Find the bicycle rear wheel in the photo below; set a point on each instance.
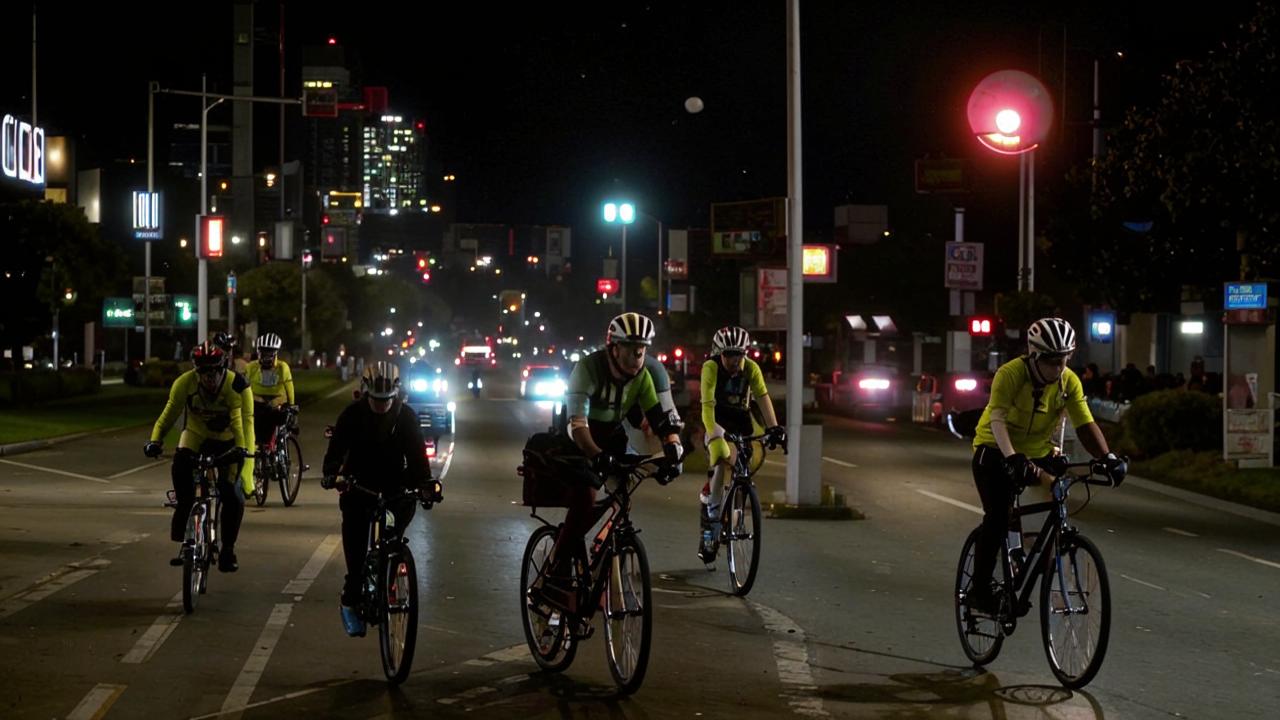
(291, 473)
(398, 633)
(742, 535)
(548, 633)
(628, 625)
(1075, 611)
(980, 635)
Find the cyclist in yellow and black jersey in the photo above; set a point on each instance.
(212, 427)
(240, 384)
(730, 381)
(1014, 439)
(272, 384)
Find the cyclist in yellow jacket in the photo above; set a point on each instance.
(1014, 439)
(272, 383)
(212, 427)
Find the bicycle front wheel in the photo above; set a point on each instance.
(980, 634)
(628, 613)
(742, 535)
(261, 481)
(547, 631)
(1075, 611)
(291, 473)
(192, 577)
(398, 633)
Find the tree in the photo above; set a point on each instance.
(274, 295)
(1189, 191)
(49, 248)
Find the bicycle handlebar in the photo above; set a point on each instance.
(204, 462)
(343, 483)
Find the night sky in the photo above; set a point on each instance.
(544, 111)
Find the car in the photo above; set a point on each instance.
(956, 392)
(426, 390)
(871, 390)
(543, 382)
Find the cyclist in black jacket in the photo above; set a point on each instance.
(376, 440)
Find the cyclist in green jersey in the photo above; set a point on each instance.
(602, 388)
(1014, 443)
(730, 380)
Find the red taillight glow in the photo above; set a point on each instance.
(873, 384)
(966, 384)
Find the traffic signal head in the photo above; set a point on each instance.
(981, 326)
(211, 236)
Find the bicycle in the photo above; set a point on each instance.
(613, 578)
(389, 593)
(200, 545)
(280, 459)
(1075, 594)
(740, 517)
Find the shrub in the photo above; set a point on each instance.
(1174, 420)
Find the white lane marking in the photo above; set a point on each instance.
(58, 580)
(1258, 560)
(1183, 533)
(444, 471)
(841, 463)
(289, 696)
(131, 471)
(55, 471)
(310, 571)
(507, 654)
(949, 501)
(791, 653)
(346, 388)
(242, 690)
(467, 695)
(119, 492)
(1142, 582)
(155, 635)
(96, 704)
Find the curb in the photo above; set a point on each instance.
(814, 512)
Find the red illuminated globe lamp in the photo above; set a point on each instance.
(1010, 112)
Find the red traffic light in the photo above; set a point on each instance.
(607, 286)
(678, 352)
(426, 277)
(211, 236)
(980, 326)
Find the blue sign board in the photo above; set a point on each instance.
(1246, 296)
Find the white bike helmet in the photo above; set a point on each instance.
(730, 338)
(630, 328)
(381, 380)
(1051, 336)
(270, 341)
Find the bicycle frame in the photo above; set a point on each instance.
(617, 506)
(1056, 526)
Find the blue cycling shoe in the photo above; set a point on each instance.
(352, 622)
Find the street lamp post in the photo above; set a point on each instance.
(624, 214)
(202, 281)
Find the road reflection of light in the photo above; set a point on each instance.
(551, 405)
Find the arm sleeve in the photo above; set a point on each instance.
(646, 398)
(577, 397)
(1003, 388)
(758, 386)
(286, 378)
(236, 408)
(177, 393)
(1077, 405)
(336, 454)
(417, 469)
(709, 395)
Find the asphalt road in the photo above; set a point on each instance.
(847, 619)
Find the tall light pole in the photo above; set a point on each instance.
(202, 282)
(152, 87)
(624, 214)
(1010, 112)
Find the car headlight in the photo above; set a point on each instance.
(873, 384)
(418, 385)
(451, 406)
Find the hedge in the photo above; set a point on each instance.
(25, 388)
(1165, 420)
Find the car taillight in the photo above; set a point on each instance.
(966, 384)
(873, 384)
(431, 449)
